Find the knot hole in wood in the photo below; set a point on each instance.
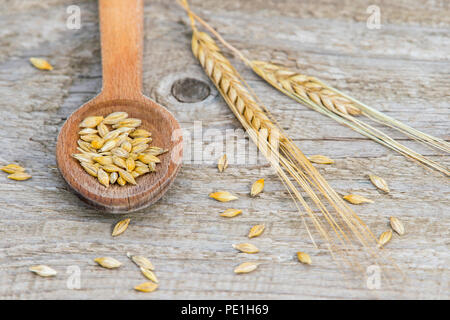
(189, 90)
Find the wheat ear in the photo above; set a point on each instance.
(342, 230)
(338, 106)
(320, 97)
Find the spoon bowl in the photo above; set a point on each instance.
(121, 34)
(151, 186)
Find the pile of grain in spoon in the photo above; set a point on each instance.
(115, 150)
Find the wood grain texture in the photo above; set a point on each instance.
(401, 69)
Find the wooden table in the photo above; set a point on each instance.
(401, 69)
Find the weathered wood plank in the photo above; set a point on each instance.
(401, 69)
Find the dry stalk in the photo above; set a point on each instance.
(335, 104)
(343, 231)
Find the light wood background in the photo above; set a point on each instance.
(401, 69)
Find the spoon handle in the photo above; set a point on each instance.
(121, 28)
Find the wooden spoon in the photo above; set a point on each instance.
(121, 27)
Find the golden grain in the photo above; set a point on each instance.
(147, 158)
(150, 275)
(222, 196)
(86, 131)
(379, 183)
(103, 177)
(303, 257)
(115, 117)
(397, 225)
(120, 227)
(130, 123)
(119, 152)
(108, 262)
(222, 164)
(385, 237)
(246, 267)
(131, 164)
(112, 135)
(230, 213)
(113, 177)
(137, 141)
(120, 162)
(12, 168)
(127, 176)
(109, 145)
(256, 231)
(140, 133)
(141, 261)
(320, 159)
(43, 271)
(156, 151)
(102, 130)
(257, 187)
(121, 181)
(152, 166)
(97, 143)
(41, 64)
(126, 145)
(246, 247)
(91, 122)
(146, 287)
(103, 160)
(110, 168)
(83, 157)
(141, 170)
(139, 148)
(356, 199)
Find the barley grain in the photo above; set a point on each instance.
(86, 131)
(97, 143)
(246, 247)
(140, 133)
(102, 130)
(103, 160)
(120, 227)
(139, 148)
(150, 275)
(108, 262)
(141, 261)
(127, 177)
(113, 177)
(121, 181)
(146, 287)
(223, 196)
(115, 117)
(379, 183)
(12, 168)
(41, 64)
(303, 257)
(103, 177)
(130, 123)
(91, 122)
(256, 231)
(397, 225)
(385, 237)
(320, 159)
(43, 271)
(222, 164)
(257, 187)
(110, 168)
(126, 145)
(89, 168)
(246, 267)
(230, 213)
(356, 199)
